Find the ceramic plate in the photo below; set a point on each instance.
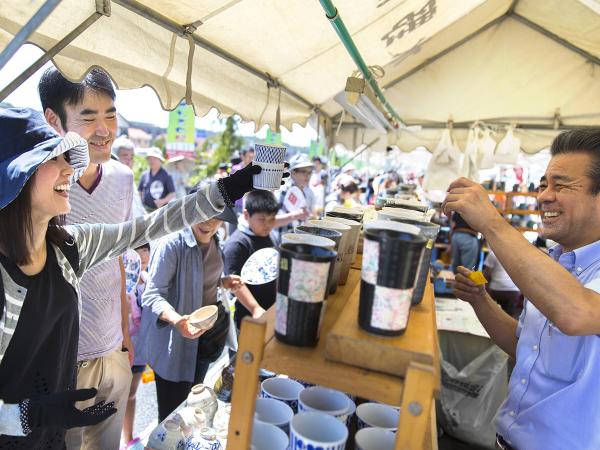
(261, 267)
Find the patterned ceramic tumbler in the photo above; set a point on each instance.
(389, 269)
(301, 292)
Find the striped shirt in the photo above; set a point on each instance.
(110, 201)
(97, 243)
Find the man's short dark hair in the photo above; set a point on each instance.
(56, 91)
(261, 202)
(581, 141)
(247, 150)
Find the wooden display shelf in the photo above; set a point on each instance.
(349, 344)
(414, 392)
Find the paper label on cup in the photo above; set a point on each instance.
(281, 306)
(390, 308)
(370, 262)
(430, 244)
(308, 281)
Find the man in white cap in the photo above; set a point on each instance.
(156, 186)
(296, 199)
(124, 149)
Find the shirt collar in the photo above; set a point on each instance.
(189, 238)
(581, 257)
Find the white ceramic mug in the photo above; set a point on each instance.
(268, 437)
(377, 415)
(318, 430)
(392, 225)
(325, 400)
(270, 158)
(283, 389)
(352, 244)
(275, 412)
(387, 213)
(374, 439)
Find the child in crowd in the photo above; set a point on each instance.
(135, 317)
(253, 233)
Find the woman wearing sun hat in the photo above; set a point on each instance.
(41, 263)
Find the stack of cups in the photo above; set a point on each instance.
(351, 244)
(388, 213)
(304, 271)
(336, 237)
(389, 269)
(271, 159)
(429, 231)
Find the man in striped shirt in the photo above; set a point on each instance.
(103, 194)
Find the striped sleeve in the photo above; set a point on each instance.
(99, 242)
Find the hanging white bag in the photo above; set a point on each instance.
(470, 167)
(508, 149)
(444, 166)
(487, 145)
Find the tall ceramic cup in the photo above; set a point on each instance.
(389, 269)
(345, 230)
(429, 231)
(336, 237)
(271, 159)
(301, 293)
(352, 244)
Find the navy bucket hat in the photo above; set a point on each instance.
(26, 141)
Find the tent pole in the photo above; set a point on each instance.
(332, 14)
(47, 56)
(368, 146)
(24, 33)
(168, 24)
(555, 38)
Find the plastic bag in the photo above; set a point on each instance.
(472, 395)
(508, 149)
(470, 167)
(444, 166)
(487, 145)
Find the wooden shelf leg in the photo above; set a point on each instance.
(415, 416)
(245, 384)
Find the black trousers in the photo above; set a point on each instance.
(170, 394)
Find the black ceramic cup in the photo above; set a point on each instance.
(429, 231)
(336, 237)
(389, 269)
(301, 292)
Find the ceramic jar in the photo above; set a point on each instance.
(204, 398)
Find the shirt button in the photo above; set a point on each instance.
(523, 381)
(535, 347)
(512, 414)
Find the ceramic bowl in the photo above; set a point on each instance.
(205, 317)
(167, 436)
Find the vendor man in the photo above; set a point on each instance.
(554, 392)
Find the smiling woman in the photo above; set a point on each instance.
(41, 266)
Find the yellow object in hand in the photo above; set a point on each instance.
(477, 278)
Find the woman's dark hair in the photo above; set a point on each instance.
(581, 141)
(143, 246)
(56, 91)
(261, 202)
(16, 227)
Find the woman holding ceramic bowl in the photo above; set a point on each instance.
(41, 264)
(184, 275)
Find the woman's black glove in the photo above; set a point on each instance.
(58, 410)
(234, 186)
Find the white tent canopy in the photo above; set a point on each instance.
(533, 63)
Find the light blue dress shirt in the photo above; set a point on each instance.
(553, 398)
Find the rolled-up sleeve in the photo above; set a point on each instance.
(162, 270)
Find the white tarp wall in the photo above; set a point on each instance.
(518, 69)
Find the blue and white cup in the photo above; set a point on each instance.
(283, 389)
(374, 439)
(268, 437)
(377, 415)
(351, 411)
(325, 400)
(317, 430)
(271, 159)
(275, 412)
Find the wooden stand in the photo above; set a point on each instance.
(414, 386)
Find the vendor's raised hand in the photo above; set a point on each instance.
(466, 289)
(471, 201)
(232, 282)
(186, 329)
